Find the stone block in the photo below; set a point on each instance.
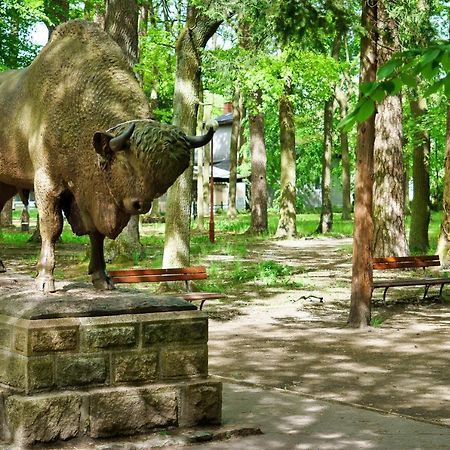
(200, 404)
(98, 338)
(135, 367)
(43, 418)
(40, 373)
(13, 370)
(130, 411)
(194, 331)
(181, 362)
(53, 340)
(5, 337)
(76, 370)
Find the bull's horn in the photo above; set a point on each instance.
(200, 141)
(118, 143)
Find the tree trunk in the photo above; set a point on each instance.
(341, 98)
(57, 12)
(259, 222)
(444, 238)
(287, 226)
(121, 23)
(200, 153)
(362, 276)
(420, 208)
(6, 214)
(326, 213)
(388, 197)
(234, 145)
(198, 30)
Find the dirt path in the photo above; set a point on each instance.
(284, 340)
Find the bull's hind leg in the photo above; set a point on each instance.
(6, 192)
(50, 225)
(97, 265)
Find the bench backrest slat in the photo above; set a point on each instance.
(158, 275)
(181, 270)
(405, 262)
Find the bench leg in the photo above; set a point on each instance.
(427, 286)
(201, 303)
(440, 290)
(384, 296)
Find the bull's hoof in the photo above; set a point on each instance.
(102, 282)
(46, 285)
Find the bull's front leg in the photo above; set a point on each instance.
(50, 225)
(97, 265)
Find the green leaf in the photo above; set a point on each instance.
(429, 56)
(367, 88)
(388, 68)
(435, 87)
(445, 61)
(408, 79)
(348, 121)
(447, 87)
(366, 109)
(378, 95)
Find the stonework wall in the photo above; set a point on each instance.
(103, 376)
(39, 355)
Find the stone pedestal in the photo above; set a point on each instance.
(80, 363)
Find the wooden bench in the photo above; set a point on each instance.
(408, 262)
(185, 274)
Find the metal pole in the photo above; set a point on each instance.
(211, 201)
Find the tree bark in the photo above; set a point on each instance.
(326, 213)
(198, 30)
(287, 226)
(234, 146)
(389, 197)
(341, 99)
(362, 276)
(57, 11)
(259, 221)
(420, 207)
(121, 23)
(6, 214)
(444, 238)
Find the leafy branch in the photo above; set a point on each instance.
(403, 69)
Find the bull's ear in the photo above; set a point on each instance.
(101, 143)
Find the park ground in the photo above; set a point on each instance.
(282, 328)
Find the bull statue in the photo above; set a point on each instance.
(74, 127)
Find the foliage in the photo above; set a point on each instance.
(404, 69)
(16, 20)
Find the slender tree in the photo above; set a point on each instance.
(121, 23)
(287, 226)
(259, 220)
(234, 146)
(362, 276)
(389, 197)
(420, 207)
(198, 29)
(326, 213)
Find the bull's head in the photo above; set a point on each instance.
(143, 160)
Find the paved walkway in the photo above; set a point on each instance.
(291, 421)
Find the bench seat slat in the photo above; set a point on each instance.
(142, 278)
(180, 270)
(410, 282)
(404, 265)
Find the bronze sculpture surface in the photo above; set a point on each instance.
(74, 127)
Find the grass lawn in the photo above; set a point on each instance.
(232, 260)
